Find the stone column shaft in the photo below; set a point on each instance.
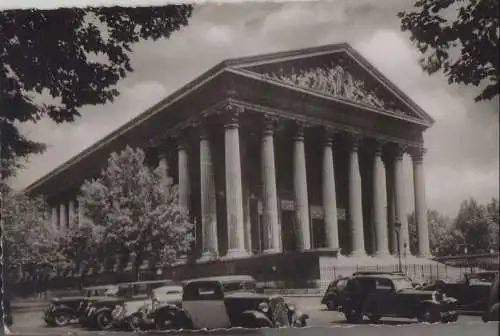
(355, 202)
(399, 200)
(210, 247)
(234, 189)
(71, 213)
(330, 196)
(270, 224)
(55, 217)
(163, 167)
(184, 179)
(380, 206)
(302, 231)
(80, 214)
(63, 219)
(421, 204)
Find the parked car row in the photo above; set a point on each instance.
(379, 294)
(215, 302)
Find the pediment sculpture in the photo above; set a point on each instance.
(334, 80)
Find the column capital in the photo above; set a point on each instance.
(417, 153)
(329, 134)
(355, 140)
(231, 115)
(299, 128)
(399, 150)
(203, 129)
(378, 146)
(269, 122)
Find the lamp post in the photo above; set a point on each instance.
(397, 225)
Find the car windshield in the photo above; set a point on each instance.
(400, 284)
(481, 278)
(239, 286)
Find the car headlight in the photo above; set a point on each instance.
(263, 307)
(117, 311)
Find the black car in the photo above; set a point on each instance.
(388, 295)
(492, 313)
(225, 302)
(99, 312)
(67, 310)
(471, 292)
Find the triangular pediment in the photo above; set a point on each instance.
(338, 72)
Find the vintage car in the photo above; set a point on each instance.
(98, 313)
(389, 295)
(471, 292)
(492, 312)
(137, 315)
(225, 302)
(67, 310)
(330, 298)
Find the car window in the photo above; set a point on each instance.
(400, 284)
(341, 284)
(174, 292)
(238, 286)
(383, 284)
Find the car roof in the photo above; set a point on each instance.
(98, 287)
(384, 276)
(222, 279)
(169, 287)
(123, 284)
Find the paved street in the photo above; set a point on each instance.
(30, 323)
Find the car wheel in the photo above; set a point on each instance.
(452, 318)
(61, 319)
(429, 314)
(493, 314)
(353, 316)
(134, 322)
(330, 305)
(103, 320)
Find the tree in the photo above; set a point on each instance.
(493, 217)
(471, 227)
(75, 56)
(139, 217)
(464, 47)
(30, 240)
(439, 232)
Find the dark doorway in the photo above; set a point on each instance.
(288, 230)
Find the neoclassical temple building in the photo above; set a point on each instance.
(283, 160)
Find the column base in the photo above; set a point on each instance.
(382, 254)
(271, 251)
(236, 253)
(208, 256)
(426, 255)
(358, 253)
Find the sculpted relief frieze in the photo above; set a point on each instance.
(335, 80)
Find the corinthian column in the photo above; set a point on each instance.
(420, 202)
(63, 219)
(400, 205)
(163, 168)
(55, 217)
(184, 180)
(210, 249)
(355, 200)
(302, 231)
(380, 203)
(329, 195)
(234, 189)
(270, 199)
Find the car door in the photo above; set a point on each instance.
(383, 297)
(204, 303)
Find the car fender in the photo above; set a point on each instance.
(62, 310)
(260, 317)
(182, 316)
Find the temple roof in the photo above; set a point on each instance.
(336, 72)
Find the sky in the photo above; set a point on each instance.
(463, 151)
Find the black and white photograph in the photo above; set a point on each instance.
(314, 167)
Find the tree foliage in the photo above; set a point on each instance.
(139, 218)
(30, 240)
(71, 56)
(458, 37)
(475, 226)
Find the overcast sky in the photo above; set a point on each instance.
(463, 153)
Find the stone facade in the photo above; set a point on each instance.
(283, 153)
